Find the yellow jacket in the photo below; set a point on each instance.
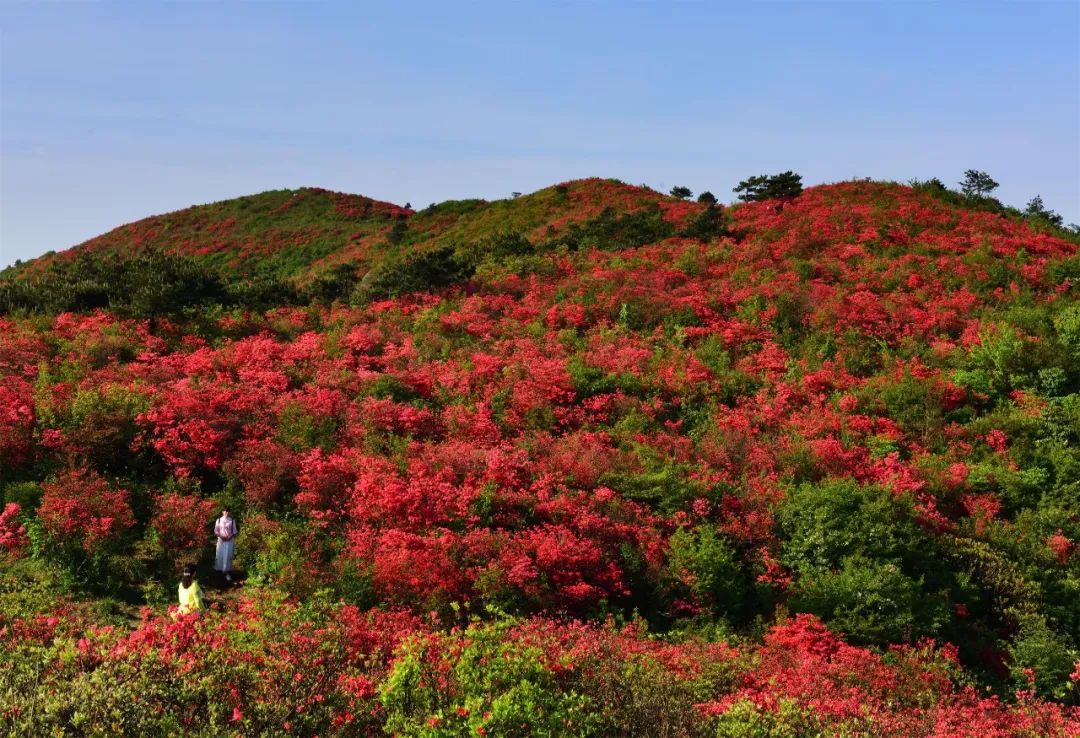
(191, 598)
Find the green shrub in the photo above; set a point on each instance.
(496, 684)
(1049, 656)
(714, 571)
(870, 602)
(417, 271)
(745, 720)
(610, 231)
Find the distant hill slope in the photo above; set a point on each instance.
(312, 245)
(299, 233)
(278, 232)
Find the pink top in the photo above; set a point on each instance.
(225, 528)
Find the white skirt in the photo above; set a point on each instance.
(223, 560)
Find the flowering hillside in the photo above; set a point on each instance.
(282, 230)
(590, 461)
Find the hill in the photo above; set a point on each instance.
(280, 232)
(291, 233)
(589, 461)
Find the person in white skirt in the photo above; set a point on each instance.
(225, 530)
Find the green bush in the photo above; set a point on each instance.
(610, 231)
(1048, 655)
(147, 285)
(870, 602)
(862, 562)
(714, 571)
(497, 684)
(418, 271)
(745, 720)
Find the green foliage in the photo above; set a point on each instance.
(999, 363)
(589, 381)
(643, 697)
(714, 571)
(1067, 325)
(1036, 210)
(502, 687)
(260, 292)
(783, 186)
(664, 484)
(301, 431)
(914, 405)
(745, 720)
(333, 285)
(869, 601)
(862, 562)
(504, 249)
(977, 183)
(387, 386)
(416, 271)
(1049, 656)
(825, 523)
(397, 232)
(683, 193)
(152, 284)
(711, 223)
(611, 231)
(280, 556)
(27, 495)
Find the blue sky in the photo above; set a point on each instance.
(113, 111)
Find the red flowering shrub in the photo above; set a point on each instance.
(182, 523)
(263, 469)
(16, 421)
(13, 538)
(80, 508)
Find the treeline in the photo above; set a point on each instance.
(152, 284)
(975, 194)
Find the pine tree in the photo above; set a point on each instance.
(783, 186)
(977, 183)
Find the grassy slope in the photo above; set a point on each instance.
(278, 232)
(301, 233)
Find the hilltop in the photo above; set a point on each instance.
(589, 461)
(293, 233)
(280, 231)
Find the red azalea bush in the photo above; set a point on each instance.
(182, 522)
(80, 508)
(13, 538)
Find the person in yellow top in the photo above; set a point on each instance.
(191, 595)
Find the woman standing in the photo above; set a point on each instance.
(225, 530)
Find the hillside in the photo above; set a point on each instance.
(280, 232)
(296, 233)
(588, 461)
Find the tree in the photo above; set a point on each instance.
(417, 271)
(707, 198)
(977, 184)
(1036, 209)
(397, 232)
(783, 186)
(683, 193)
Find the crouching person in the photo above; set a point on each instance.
(191, 595)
